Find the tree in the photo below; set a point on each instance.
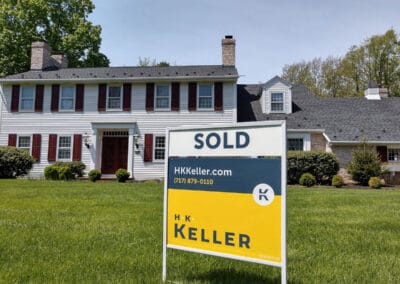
(377, 59)
(146, 61)
(63, 24)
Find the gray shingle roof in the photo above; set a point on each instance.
(343, 119)
(109, 73)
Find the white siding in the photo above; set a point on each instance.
(69, 123)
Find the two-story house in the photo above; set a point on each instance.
(335, 125)
(112, 117)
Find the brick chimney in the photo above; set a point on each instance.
(228, 51)
(41, 58)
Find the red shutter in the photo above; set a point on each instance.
(39, 98)
(127, 97)
(36, 144)
(77, 148)
(55, 97)
(382, 152)
(150, 96)
(12, 140)
(15, 98)
(148, 147)
(101, 106)
(79, 99)
(52, 151)
(175, 96)
(192, 96)
(218, 96)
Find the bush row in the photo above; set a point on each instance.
(64, 170)
(323, 166)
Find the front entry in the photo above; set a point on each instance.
(114, 154)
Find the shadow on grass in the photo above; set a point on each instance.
(232, 276)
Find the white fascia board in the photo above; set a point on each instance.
(306, 130)
(367, 142)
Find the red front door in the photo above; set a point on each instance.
(114, 154)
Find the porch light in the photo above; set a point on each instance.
(87, 140)
(136, 137)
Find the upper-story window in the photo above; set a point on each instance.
(67, 98)
(64, 148)
(276, 102)
(24, 142)
(114, 98)
(162, 97)
(205, 97)
(27, 100)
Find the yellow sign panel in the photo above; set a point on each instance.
(228, 223)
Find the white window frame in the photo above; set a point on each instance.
(59, 148)
(156, 96)
(158, 148)
(302, 135)
(212, 96)
(120, 98)
(397, 159)
(30, 143)
(283, 101)
(33, 99)
(73, 98)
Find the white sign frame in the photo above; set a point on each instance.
(239, 126)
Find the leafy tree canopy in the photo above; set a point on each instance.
(376, 59)
(63, 24)
(146, 61)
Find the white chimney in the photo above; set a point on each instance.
(372, 91)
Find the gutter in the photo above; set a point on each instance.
(367, 142)
(125, 79)
(306, 130)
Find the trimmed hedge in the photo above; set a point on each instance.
(337, 181)
(307, 180)
(323, 166)
(94, 175)
(14, 162)
(122, 175)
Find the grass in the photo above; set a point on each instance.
(112, 232)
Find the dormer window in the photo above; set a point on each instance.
(276, 102)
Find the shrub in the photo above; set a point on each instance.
(337, 181)
(94, 175)
(51, 172)
(323, 166)
(364, 165)
(76, 167)
(122, 175)
(307, 179)
(14, 162)
(374, 182)
(64, 170)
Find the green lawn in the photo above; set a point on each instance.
(110, 232)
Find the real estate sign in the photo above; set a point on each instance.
(225, 189)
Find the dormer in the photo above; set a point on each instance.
(276, 96)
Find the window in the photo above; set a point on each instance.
(159, 148)
(67, 98)
(394, 155)
(295, 144)
(64, 148)
(24, 142)
(277, 102)
(114, 98)
(205, 98)
(162, 97)
(27, 101)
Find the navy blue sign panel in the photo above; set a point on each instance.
(224, 174)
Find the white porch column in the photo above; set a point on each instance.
(130, 151)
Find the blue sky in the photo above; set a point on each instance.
(269, 34)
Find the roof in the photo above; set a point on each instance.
(133, 73)
(343, 119)
(275, 80)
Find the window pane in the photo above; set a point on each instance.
(205, 90)
(159, 148)
(394, 154)
(24, 141)
(295, 144)
(160, 142)
(162, 96)
(162, 91)
(67, 92)
(114, 97)
(64, 154)
(205, 102)
(27, 104)
(27, 98)
(27, 92)
(65, 141)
